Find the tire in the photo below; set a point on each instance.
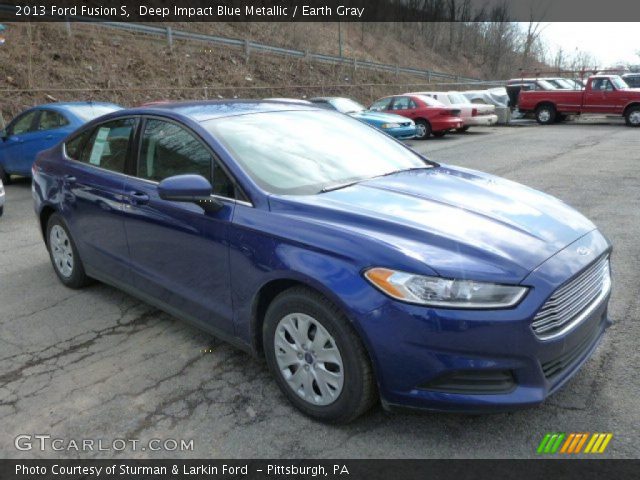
(462, 129)
(439, 134)
(632, 117)
(4, 176)
(546, 114)
(423, 129)
(351, 389)
(60, 245)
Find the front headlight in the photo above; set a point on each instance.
(390, 125)
(444, 292)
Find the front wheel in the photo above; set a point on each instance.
(423, 129)
(64, 254)
(545, 114)
(632, 117)
(316, 357)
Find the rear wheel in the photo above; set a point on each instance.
(423, 129)
(4, 176)
(64, 255)
(316, 357)
(545, 114)
(632, 117)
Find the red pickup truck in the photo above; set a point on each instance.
(603, 94)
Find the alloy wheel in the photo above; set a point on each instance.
(308, 359)
(61, 251)
(634, 118)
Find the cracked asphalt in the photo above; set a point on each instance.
(100, 364)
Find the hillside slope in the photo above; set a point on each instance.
(42, 62)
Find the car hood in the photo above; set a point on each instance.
(379, 117)
(507, 227)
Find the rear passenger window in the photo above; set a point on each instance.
(50, 120)
(74, 146)
(109, 144)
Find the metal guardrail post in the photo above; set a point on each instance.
(67, 26)
(170, 38)
(247, 49)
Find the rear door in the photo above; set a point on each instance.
(12, 149)
(180, 253)
(94, 197)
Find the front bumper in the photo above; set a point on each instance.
(420, 352)
(401, 133)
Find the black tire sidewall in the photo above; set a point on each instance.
(78, 277)
(351, 397)
(4, 176)
(628, 116)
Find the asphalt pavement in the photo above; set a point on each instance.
(98, 364)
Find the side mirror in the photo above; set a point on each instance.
(189, 188)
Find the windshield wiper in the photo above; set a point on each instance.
(338, 186)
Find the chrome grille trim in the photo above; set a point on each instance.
(570, 304)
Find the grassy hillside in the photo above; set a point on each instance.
(42, 62)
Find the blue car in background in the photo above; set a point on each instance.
(397, 126)
(40, 128)
(358, 268)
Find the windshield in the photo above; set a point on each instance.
(288, 152)
(457, 98)
(89, 111)
(346, 105)
(619, 83)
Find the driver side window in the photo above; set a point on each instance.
(23, 124)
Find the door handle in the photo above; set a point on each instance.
(48, 137)
(138, 198)
(69, 179)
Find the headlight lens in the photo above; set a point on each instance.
(444, 292)
(390, 125)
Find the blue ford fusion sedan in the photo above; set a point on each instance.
(359, 269)
(42, 127)
(395, 125)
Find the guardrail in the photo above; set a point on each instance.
(249, 46)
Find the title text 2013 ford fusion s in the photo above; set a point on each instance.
(361, 270)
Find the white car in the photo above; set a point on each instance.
(471, 114)
(1, 198)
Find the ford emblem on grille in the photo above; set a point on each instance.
(583, 251)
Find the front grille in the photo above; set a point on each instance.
(566, 306)
(558, 365)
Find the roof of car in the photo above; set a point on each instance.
(63, 105)
(204, 110)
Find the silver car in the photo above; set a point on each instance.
(1, 198)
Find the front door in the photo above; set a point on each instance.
(12, 149)
(179, 252)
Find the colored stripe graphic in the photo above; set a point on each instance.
(551, 442)
(573, 443)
